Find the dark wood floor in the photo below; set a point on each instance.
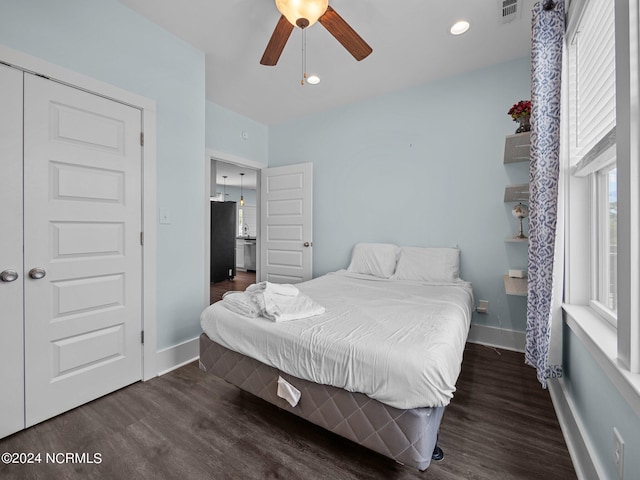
(190, 425)
(241, 281)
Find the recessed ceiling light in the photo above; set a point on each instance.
(313, 79)
(459, 28)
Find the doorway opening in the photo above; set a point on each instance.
(234, 184)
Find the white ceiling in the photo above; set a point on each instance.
(249, 180)
(410, 40)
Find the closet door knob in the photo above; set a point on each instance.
(9, 276)
(37, 273)
(306, 244)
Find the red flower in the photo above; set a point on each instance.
(520, 109)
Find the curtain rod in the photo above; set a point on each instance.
(549, 5)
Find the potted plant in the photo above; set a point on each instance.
(521, 113)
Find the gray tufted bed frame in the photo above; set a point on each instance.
(407, 436)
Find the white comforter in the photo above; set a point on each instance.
(398, 342)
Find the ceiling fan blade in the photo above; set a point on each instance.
(346, 35)
(277, 42)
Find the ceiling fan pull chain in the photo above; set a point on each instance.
(304, 56)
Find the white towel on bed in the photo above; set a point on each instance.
(269, 287)
(243, 304)
(276, 307)
(282, 308)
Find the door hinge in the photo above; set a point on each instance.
(142, 139)
(142, 336)
(141, 238)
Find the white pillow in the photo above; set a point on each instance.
(428, 264)
(378, 259)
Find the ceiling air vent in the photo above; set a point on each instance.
(509, 10)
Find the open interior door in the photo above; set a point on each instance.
(286, 223)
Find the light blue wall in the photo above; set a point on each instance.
(422, 166)
(107, 41)
(224, 134)
(600, 408)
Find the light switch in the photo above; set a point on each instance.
(165, 216)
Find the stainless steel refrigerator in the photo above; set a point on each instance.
(223, 241)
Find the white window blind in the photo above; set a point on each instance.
(592, 82)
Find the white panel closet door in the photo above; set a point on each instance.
(11, 340)
(286, 223)
(82, 201)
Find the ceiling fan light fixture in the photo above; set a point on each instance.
(459, 28)
(311, 10)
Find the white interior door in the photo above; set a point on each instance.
(286, 223)
(11, 339)
(82, 223)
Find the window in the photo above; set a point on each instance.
(605, 244)
(592, 141)
(602, 162)
(241, 222)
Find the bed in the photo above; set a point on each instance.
(377, 364)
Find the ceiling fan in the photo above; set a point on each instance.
(303, 14)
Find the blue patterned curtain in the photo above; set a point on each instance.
(546, 68)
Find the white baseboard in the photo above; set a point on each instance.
(580, 448)
(177, 355)
(497, 337)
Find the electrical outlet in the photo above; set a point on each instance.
(483, 306)
(618, 453)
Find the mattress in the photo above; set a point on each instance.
(398, 342)
(406, 436)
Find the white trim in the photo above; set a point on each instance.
(578, 239)
(627, 16)
(32, 64)
(593, 211)
(603, 311)
(599, 339)
(634, 132)
(207, 229)
(235, 159)
(149, 252)
(37, 65)
(600, 156)
(581, 450)
(176, 356)
(497, 337)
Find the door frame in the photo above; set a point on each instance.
(147, 106)
(211, 155)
